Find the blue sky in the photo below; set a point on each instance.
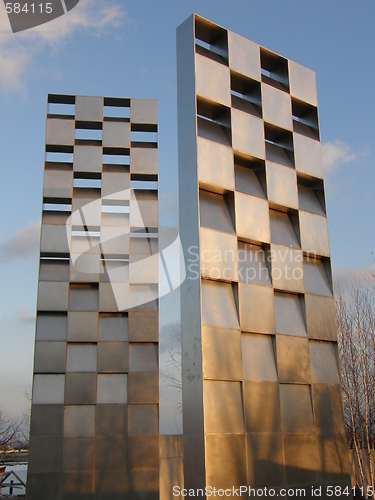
(127, 49)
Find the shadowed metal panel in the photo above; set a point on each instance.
(256, 308)
(332, 449)
(107, 299)
(328, 412)
(214, 212)
(281, 185)
(89, 109)
(82, 326)
(314, 233)
(221, 354)
(45, 455)
(302, 83)
(252, 264)
(265, 459)
(48, 389)
(143, 388)
(111, 420)
(143, 268)
(248, 134)
(113, 483)
(324, 367)
(320, 317)
(116, 135)
(60, 132)
(212, 80)
(252, 218)
(57, 184)
(54, 239)
(296, 410)
(287, 270)
(243, 56)
(143, 452)
(51, 327)
(53, 296)
(143, 357)
(143, 326)
(79, 421)
(218, 306)
(113, 327)
(69, 481)
(144, 161)
(78, 454)
(142, 420)
(113, 182)
(225, 460)
(112, 357)
(112, 389)
(80, 388)
(218, 255)
(215, 164)
(83, 298)
(316, 279)
(309, 201)
(289, 314)
(262, 406)
(146, 215)
(81, 358)
(110, 453)
(308, 156)
(143, 483)
(87, 159)
(248, 182)
(223, 407)
(144, 111)
(114, 240)
(282, 230)
(85, 268)
(293, 361)
(47, 420)
(301, 459)
(277, 107)
(49, 357)
(258, 358)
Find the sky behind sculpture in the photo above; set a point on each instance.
(128, 48)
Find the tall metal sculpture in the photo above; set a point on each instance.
(94, 420)
(261, 390)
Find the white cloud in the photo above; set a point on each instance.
(17, 51)
(98, 17)
(343, 276)
(337, 153)
(25, 316)
(13, 64)
(23, 244)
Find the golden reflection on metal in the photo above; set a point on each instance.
(258, 331)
